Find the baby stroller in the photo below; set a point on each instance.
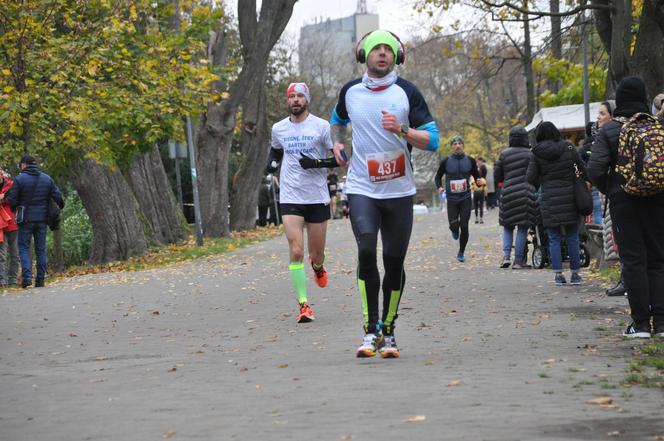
(540, 255)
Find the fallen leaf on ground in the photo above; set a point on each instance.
(345, 437)
(601, 401)
(614, 433)
(167, 435)
(454, 383)
(415, 419)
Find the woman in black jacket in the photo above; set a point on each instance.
(517, 199)
(552, 169)
(638, 222)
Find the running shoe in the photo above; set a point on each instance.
(635, 330)
(306, 314)
(560, 279)
(659, 331)
(389, 349)
(320, 276)
(371, 343)
(455, 235)
(481, 220)
(460, 258)
(506, 262)
(575, 279)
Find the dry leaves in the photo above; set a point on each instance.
(167, 435)
(415, 419)
(454, 383)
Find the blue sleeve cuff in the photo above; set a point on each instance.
(337, 120)
(434, 140)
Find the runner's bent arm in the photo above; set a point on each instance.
(339, 133)
(439, 175)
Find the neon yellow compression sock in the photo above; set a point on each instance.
(299, 279)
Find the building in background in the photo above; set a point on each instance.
(326, 58)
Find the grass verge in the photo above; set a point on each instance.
(647, 369)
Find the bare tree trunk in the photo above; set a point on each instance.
(485, 129)
(253, 141)
(213, 143)
(615, 30)
(556, 41)
(57, 263)
(258, 37)
(528, 67)
(648, 58)
(117, 231)
(148, 180)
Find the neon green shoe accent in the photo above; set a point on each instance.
(299, 279)
(392, 310)
(363, 295)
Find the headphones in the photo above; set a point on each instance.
(361, 56)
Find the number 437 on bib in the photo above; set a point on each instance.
(384, 167)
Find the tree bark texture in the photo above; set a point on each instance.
(556, 41)
(258, 36)
(647, 60)
(253, 144)
(57, 262)
(117, 231)
(528, 67)
(148, 180)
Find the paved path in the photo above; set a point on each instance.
(209, 350)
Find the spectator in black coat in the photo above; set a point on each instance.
(517, 200)
(551, 168)
(33, 190)
(638, 222)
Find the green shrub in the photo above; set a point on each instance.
(76, 232)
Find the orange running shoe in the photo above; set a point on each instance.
(306, 314)
(320, 276)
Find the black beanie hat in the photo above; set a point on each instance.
(518, 137)
(631, 90)
(546, 130)
(28, 160)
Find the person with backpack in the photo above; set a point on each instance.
(637, 205)
(30, 197)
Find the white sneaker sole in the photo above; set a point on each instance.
(637, 335)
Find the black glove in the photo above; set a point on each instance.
(307, 162)
(271, 167)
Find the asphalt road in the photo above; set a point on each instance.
(209, 350)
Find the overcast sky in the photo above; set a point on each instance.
(395, 15)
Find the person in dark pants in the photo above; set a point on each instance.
(480, 191)
(457, 168)
(33, 190)
(264, 199)
(551, 168)
(518, 206)
(638, 222)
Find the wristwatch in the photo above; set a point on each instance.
(404, 129)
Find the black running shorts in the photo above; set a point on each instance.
(312, 213)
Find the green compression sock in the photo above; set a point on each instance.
(299, 279)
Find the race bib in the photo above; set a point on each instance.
(386, 166)
(458, 185)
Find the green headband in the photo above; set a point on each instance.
(456, 138)
(380, 37)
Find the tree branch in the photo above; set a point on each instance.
(539, 14)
